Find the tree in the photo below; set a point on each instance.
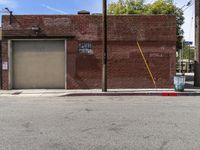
(168, 8)
(186, 52)
(158, 7)
(117, 8)
(126, 7)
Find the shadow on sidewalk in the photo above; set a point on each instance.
(190, 81)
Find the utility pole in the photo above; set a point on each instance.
(197, 45)
(189, 67)
(182, 56)
(104, 54)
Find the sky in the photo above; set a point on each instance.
(94, 6)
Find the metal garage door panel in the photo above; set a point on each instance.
(38, 64)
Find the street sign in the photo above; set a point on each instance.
(188, 42)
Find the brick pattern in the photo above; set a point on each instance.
(126, 69)
(89, 27)
(4, 55)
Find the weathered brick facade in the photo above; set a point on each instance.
(126, 68)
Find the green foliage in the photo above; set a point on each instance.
(158, 7)
(161, 7)
(186, 53)
(117, 8)
(127, 7)
(135, 7)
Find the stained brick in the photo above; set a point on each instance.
(126, 68)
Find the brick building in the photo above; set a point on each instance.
(65, 51)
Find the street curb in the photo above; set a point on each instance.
(135, 94)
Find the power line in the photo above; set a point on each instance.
(191, 24)
(188, 5)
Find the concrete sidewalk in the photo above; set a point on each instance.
(98, 92)
(190, 90)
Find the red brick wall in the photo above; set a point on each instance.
(126, 68)
(4, 55)
(89, 27)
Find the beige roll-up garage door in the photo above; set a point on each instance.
(38, 64)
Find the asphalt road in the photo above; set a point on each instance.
(100, 123)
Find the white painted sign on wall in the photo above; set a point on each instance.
(5, 66)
